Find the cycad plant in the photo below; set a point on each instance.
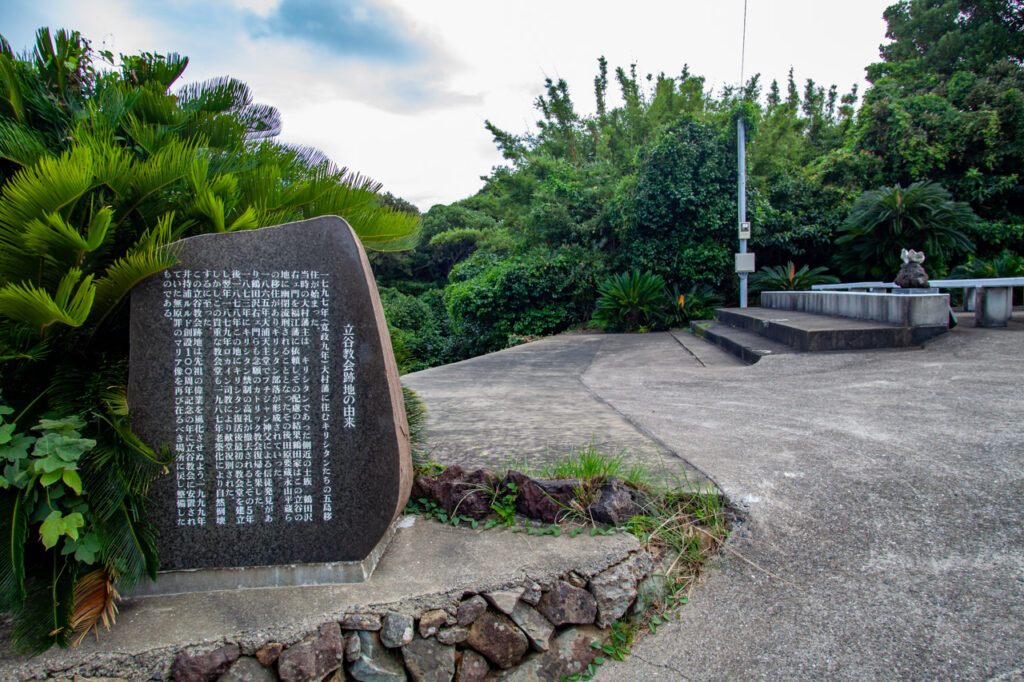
(101, 171)
(630, 301)
(882, 222)
(1005, 264)
(788, 278)
(696, 303)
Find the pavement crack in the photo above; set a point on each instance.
(664, 666)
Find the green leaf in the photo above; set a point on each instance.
(68, 449)
(6, 431)
(15, 476)
(87, 548)
(52, 529)
(48, 464)
(73, 481)
(69, 425)
(51, 477)
(18, 448)
(72, 522)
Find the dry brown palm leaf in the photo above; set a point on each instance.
(95, 601)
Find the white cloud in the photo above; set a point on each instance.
(416, 123)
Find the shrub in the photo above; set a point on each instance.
(419, 328)
(538, 293)
(631, 301)
(788, 278)
(697, 303)
(1006, 264)
(882, 222)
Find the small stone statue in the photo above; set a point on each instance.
(912, 275)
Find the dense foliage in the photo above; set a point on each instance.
(649, 183)
(100, 170)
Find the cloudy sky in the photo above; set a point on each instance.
(399, 89)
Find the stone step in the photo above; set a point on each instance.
(811, 332)
(748, 346)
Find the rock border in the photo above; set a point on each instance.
(528, 630)
(469, 494)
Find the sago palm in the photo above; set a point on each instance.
(882, 222)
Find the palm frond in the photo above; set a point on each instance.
(48, 186)
(168, 165)
(20, 349)
(211, 207)
(149, 256)
(246, 220)
(261, 121)
(35, 307)
(52, 235)
(20, 144)
(215, 96)
(109, 107)
(50, 594)
(218, 130)
(95, 601)
(150, 137)
(386, 229)
(10, 88)
(156, 107)
(137, 463)
(154, 69)
(112, 163)
(13, 534)
(127, 545)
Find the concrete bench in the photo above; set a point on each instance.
(990, 298)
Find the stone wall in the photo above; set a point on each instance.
(526, 631)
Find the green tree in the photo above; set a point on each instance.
(884, 221)
(947, 102)
(679, 217)
(490, 300)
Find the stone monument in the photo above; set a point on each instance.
(263, 360)
(912, 274)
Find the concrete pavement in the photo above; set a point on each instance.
(882, 491)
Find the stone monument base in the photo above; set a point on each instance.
(285, 575)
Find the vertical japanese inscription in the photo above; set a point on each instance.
(252, 389)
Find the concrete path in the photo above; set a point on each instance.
(883, 492)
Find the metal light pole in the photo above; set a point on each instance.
(744, 260)
(741, 135)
